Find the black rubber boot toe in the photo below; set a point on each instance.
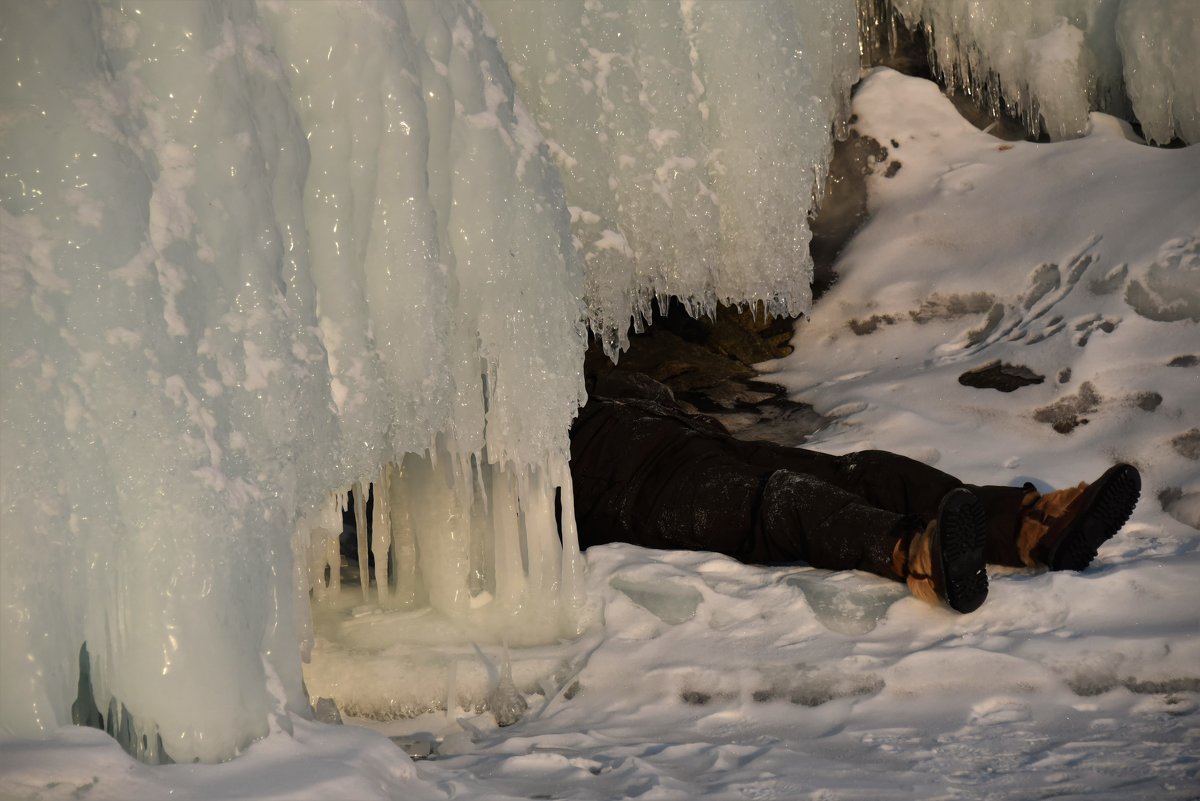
(962, 534)
(1104, 508)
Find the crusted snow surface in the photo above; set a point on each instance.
(789, 682)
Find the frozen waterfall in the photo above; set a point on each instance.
(687, 174)
(255, 255)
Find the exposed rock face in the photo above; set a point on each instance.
(1001, 376)
(1065, 414)
(706, 365)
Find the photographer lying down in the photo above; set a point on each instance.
(649, 473)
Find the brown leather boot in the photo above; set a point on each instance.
(1064, 529)
(944, 561)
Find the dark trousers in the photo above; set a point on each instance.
(654, 476)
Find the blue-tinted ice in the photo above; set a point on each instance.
(669, 601)
(846, 604)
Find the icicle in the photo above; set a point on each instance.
(572, 591)
(481, 547)
(509, 568)
(381, 531)
(442, 530)
(302, 585)
(360, 528)
(404, 541)
(451, 688)
(316, 564)
(505, 702)
(541, 533)
(333, 558)
(323, 548)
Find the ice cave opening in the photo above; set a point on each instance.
(265, 263)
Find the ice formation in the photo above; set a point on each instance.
(691, 138)
(258, 255)
(1050, 62)
(253, 254)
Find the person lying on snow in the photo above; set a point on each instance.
(648, 473)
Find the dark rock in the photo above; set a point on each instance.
(1147, 401)
(614, 383)
(1184, 361)
(949, 307)
(843, 206)
(1065, 414)
(778, 420)
(871, 324)
(1000, 375)
(704, 366)
(1187, 444)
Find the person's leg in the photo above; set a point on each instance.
(940, 558)
(649, 479)
(904, 486)
(804, 519)
(655, 480)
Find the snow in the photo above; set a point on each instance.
(712, 679)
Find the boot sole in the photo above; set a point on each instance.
(1114, 495)
(962, 531)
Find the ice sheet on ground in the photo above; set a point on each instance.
(669, 601)
(845, 604)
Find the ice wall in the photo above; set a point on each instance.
(691, 138)
(1160, 41)
(252, 254)
(1050, 62)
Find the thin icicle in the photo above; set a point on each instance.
(381, 531)
(572, 590)
(509, 567)
(404, 541)
(360, 528)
